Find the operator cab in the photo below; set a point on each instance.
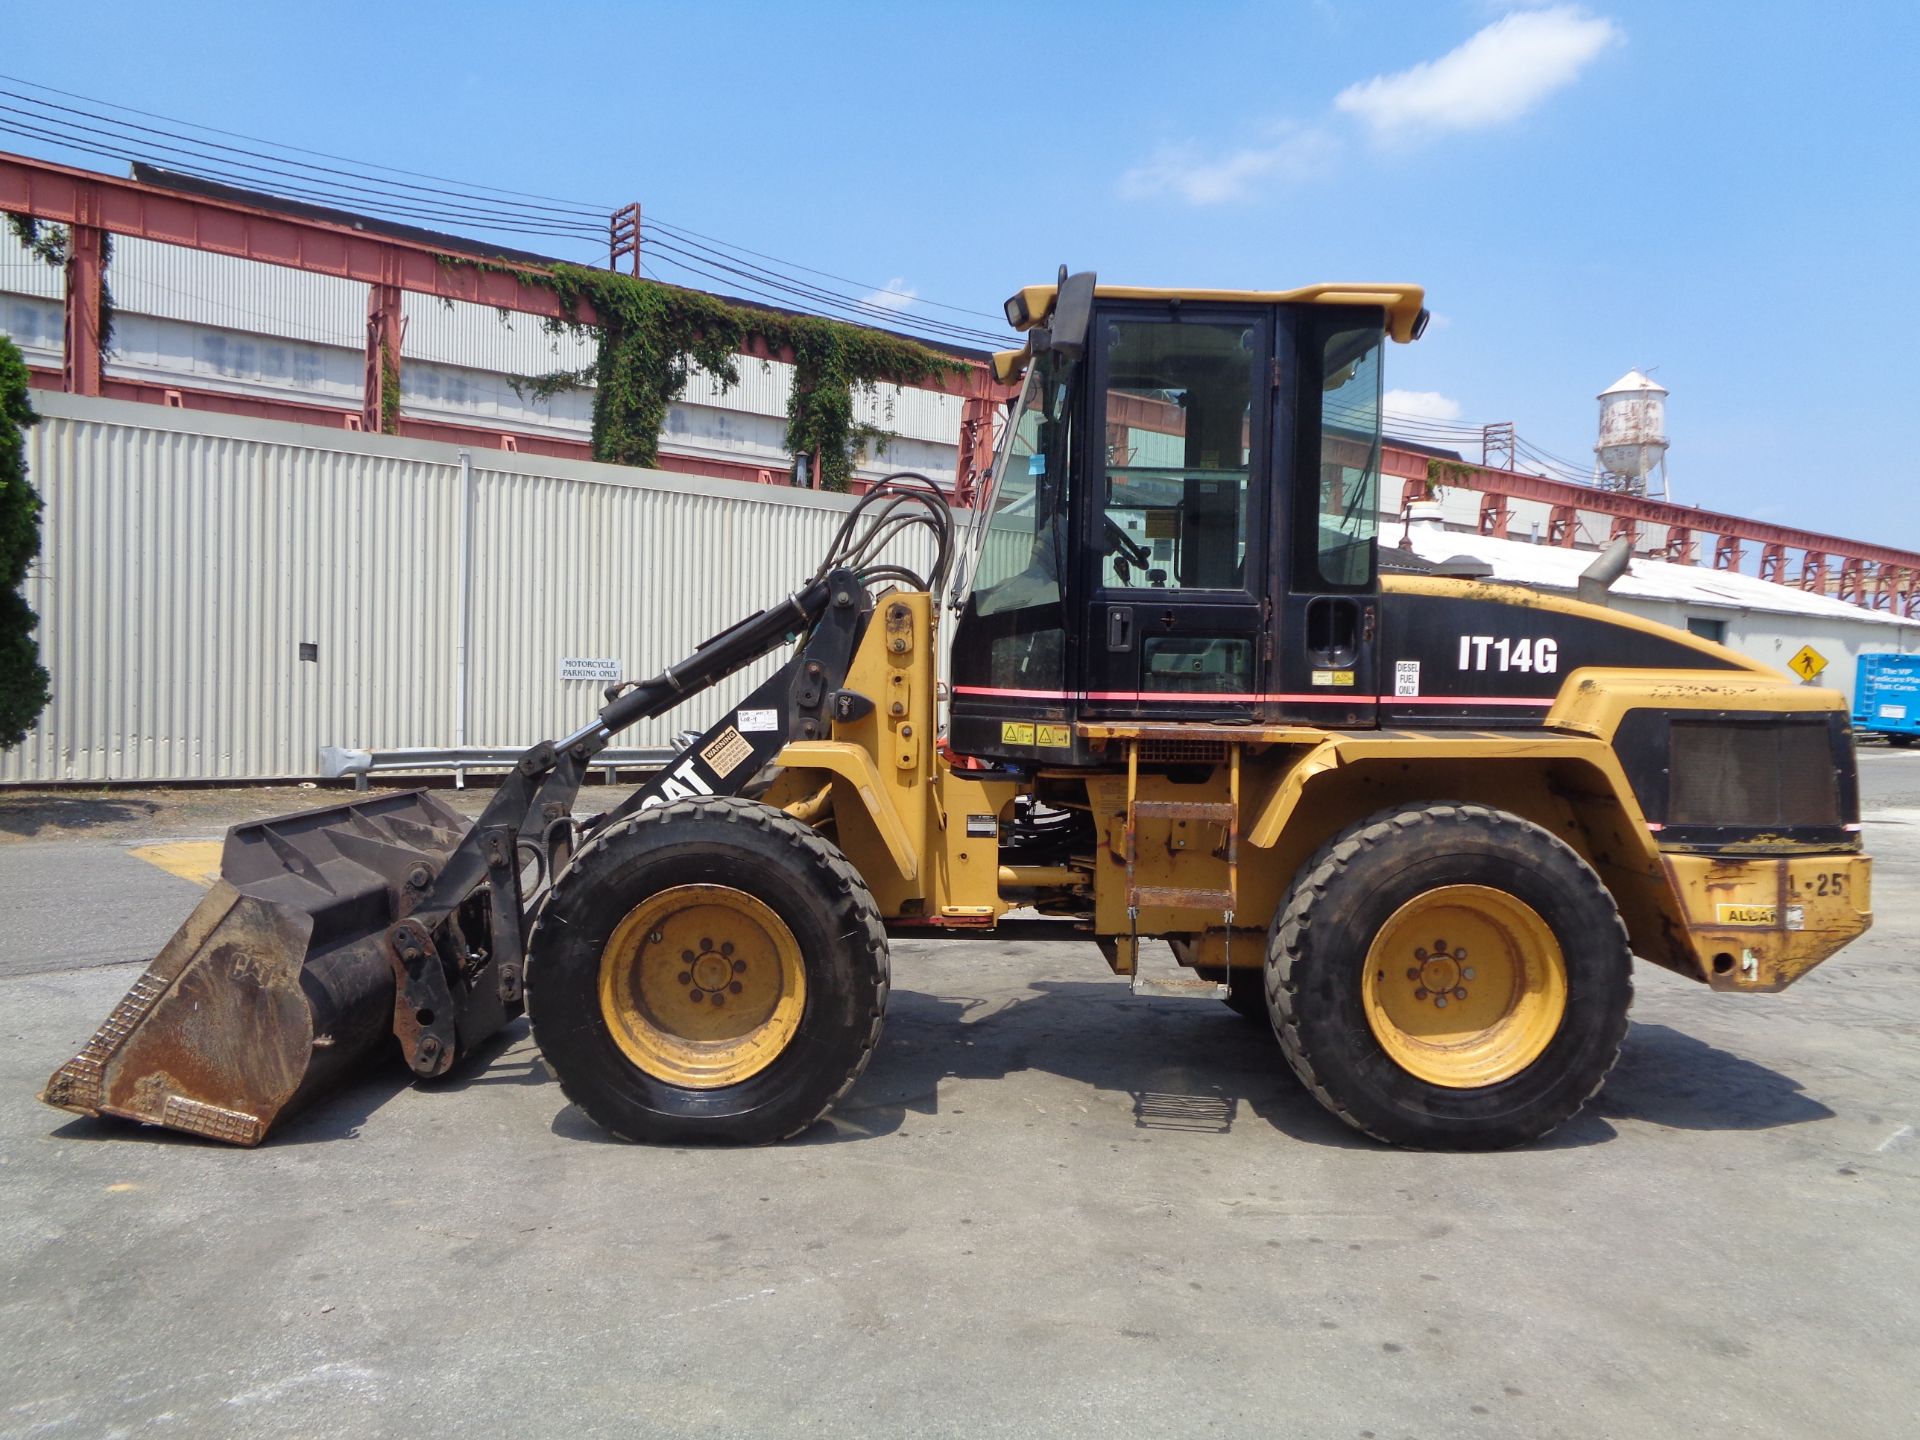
(1179, 526)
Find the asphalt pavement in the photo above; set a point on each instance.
(1049, 1208)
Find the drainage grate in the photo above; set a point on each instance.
(1158, 1110)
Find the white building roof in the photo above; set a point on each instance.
(1552, 567)
(1630, 383)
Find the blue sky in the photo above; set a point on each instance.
(1729, 192)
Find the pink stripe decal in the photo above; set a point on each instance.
(1214, 697)
(1012, 694)
(1464, 700)
(1204, 697)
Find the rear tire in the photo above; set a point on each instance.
(1900, 742)
(755, 1036)
(1539, 980)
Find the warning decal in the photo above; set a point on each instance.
(728, 750)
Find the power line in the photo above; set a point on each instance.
(439, 204)
(772, 291)
(785, 297)
(536, 212)
(122, 139)
(684, 233)
(857, 307)
(63, 131)
(206, 170)
(588, 208)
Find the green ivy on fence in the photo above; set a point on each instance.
(652, 335)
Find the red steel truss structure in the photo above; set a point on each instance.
(1878, 577)
(91, 204)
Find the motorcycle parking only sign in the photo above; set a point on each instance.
(583, 668)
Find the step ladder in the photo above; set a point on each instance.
(1211, 812)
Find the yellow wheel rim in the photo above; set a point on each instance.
(702, 986)
(1465, 986)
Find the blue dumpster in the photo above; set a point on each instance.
(1886, 697)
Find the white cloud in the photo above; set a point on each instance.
(1498, 75)
(896, 294)
(1289, 152)
(1420, 405)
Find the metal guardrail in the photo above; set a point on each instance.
(338, 762)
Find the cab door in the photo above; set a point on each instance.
(1325, 597)
(1174, 514)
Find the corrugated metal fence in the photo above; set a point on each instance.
(190, 557)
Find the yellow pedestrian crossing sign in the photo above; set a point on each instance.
(1807, 663)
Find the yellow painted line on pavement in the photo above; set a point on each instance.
(195, 860)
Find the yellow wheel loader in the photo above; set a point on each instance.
(1418, 824)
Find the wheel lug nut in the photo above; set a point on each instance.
(726, 947)
(739, 967)
(697, 995)
(1467, 974)
(1459, 992)
(686, 957)
(706, 944)
(686, 977)
(1460, 954)
(1420, 952)
(1440, 947)
(1440, 1002)
(719, 999)
(1421, 993)
(736, 987)
(1413, 972)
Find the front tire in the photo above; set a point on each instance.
(1484, 1040)
(710, 970)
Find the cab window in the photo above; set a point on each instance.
(1349, 455)
(1178, 437)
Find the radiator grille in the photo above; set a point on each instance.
(1171, 752)
(1773, 773)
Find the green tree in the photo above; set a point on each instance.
(23, 680)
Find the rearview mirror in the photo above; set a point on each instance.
(1072, 313)
(1066, 327)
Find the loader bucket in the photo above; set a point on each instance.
(280, 982)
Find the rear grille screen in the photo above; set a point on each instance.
(1778, 773)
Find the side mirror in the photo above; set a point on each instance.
(1072, 313)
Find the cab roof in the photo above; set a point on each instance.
(1404, 304)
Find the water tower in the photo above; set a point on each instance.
(1632, 451)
